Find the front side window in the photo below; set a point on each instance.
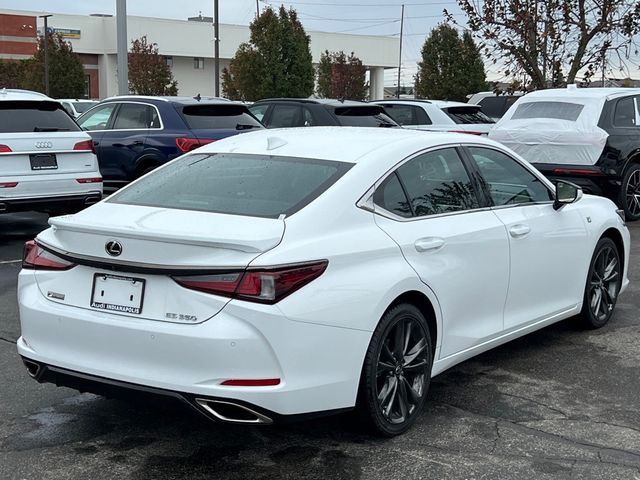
(625, 113)
(508, 182)
(98, 118)
(235, 184)
(134, 116)
(437, 182)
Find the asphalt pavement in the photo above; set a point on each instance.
(559, 403)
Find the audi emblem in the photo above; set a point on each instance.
(113, 248)
(44, 144)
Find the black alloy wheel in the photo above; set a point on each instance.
(397, 371)
(631, 193)
(603, 284)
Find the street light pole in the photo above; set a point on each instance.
(122, 47)
(400, 52)
(46, 53)
(216, 48)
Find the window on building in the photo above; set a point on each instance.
(198, 63)
(169, 61)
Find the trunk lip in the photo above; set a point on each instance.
(137, 267)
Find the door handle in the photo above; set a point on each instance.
(429, 244)
(519, 230)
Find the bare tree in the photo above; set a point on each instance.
(553, 41)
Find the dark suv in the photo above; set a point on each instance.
(135, 134)
(303, 112)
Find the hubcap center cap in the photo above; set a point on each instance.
(398, 370)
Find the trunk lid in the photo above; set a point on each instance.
(155, 242)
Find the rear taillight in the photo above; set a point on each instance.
(8, 184)
(36, 258)
(579, 172)
(469, 132)
(4, 149)
(89, 180)
(187, 144)
(267, 285)
(85, 145)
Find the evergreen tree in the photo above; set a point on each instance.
(340, 76)
(276, 62)
(451, 68)
(149, 74)
(66, 75)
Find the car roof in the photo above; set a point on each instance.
(17, 94)
(348, 144)
(82, 100)
(321, 101)
(437, 103)
(586, 93)
(182, 100)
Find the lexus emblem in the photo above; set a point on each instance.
(113, 248)
(44, 145)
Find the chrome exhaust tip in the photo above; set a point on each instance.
(230, 412)
(32, 367)
(3, 207)
(92, 200)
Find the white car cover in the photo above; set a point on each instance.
(558, 126)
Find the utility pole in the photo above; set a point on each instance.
(257, 8)
(46, 53)
(122, 47)
(400, 53)
(216, 48)
(604, 66)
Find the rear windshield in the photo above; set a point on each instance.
(82, 107)
(34, 116)
(465, 115)
(556, 110)
(219, 116)
(365, 116)
(236, 184)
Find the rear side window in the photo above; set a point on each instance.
(236, 184)
(82, 107)
(34, 116)
(134, 116)
(493, 106)
(556, 110)
(363, 116)
(625, 114)
(286, 116)
(230, 116)
(390, 196)
(465, 115)
(259, 111)
(407, 114)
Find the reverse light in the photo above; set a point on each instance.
(36, 258)
(5, 149)
(259, 382)
(8, 184)
(89, 180)
(85, 145)
(187, 144)
(265, 285)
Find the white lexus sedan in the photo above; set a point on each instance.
(286, 273)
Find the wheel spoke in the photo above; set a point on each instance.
(608, 298)
(387, 390)
(398, 344)
(595, 301)
(384, 368)
(610, 271)
(403, 402)
(387, 351)
(407, 337)
(392, 398)
(415, 366)
(415, 351)
(415, 397)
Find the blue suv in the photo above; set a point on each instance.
(134, 134)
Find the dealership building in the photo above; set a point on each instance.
(187, 46)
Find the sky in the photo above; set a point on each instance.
(370, 17)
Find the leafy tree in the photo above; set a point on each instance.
(149, 74)
(12, 73)
(451, 67)
(551, 42)
(66, 75)
(340, 76)
(276, 62)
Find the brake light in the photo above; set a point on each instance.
(268, 285)
(85, 145)
(469, 132)
(187, 144)
(36, 258)
(8, 184)
(4, 149)
(89, 180)
(578, 171)
(259, 382)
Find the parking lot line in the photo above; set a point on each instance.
(9, 261)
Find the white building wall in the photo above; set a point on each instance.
(192, 81)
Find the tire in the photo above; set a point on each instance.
(392, 394)
(630, 193)
(603, 285)
(147, 170)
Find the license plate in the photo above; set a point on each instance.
(117, 294)
(43, 161)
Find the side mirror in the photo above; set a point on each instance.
(566, 193)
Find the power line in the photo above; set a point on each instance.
(366, 26)
(421, 4)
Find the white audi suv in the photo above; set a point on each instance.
(286, 273)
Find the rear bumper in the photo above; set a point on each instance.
(592, 179)
(318, 366)
(58, 204)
